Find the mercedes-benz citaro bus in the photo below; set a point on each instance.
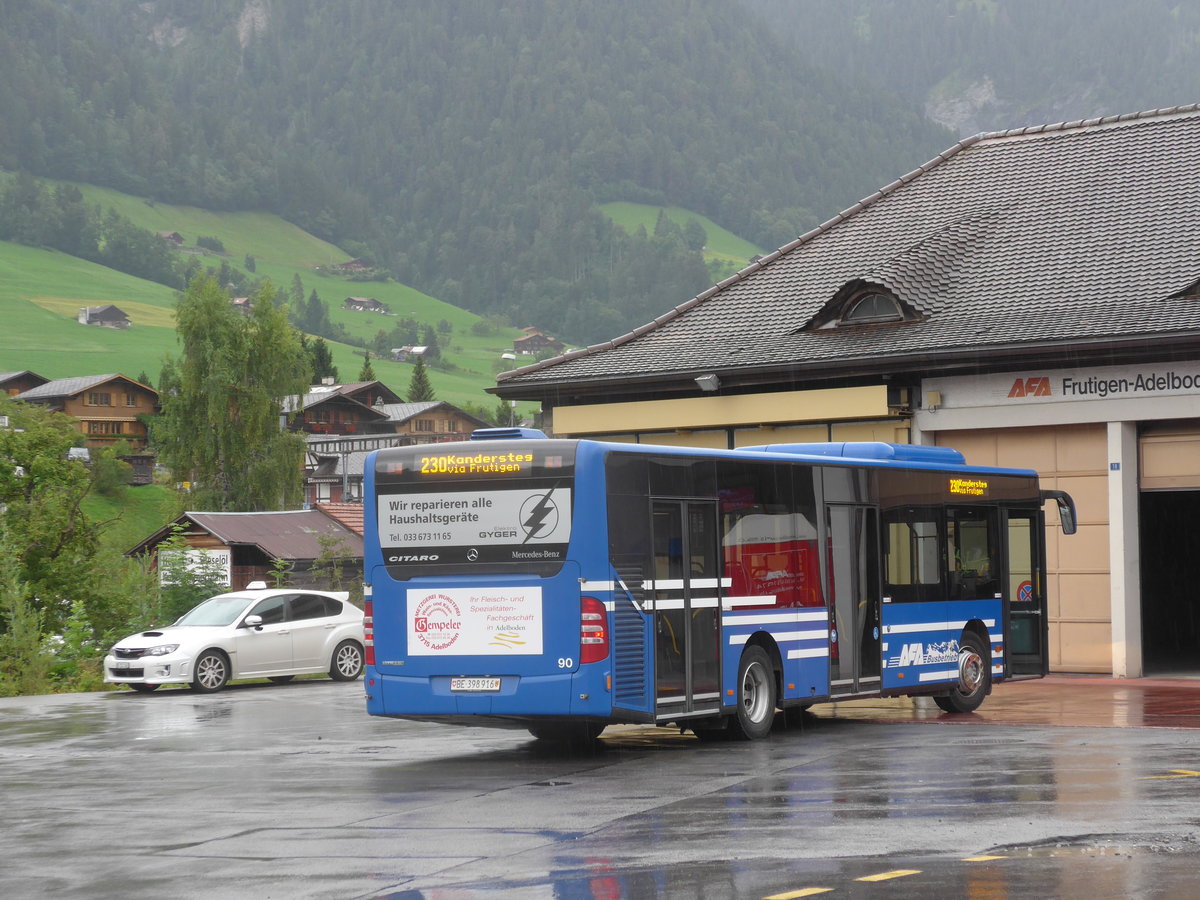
(565, 585)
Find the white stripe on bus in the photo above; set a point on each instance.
(597, 586)
(775, 618)
(947, 675)
(676, 584)
(785, 636)
(808, 653)
(765, 600)
(697, 603)
(933, 626)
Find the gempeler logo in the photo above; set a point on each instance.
(1038, 386)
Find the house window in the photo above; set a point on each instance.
(130, 399)
(872, 307)
(423, 425)
(99, 398)
(322, 492)
(104, 427)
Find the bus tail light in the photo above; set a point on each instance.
(593, 631)
(368, 633)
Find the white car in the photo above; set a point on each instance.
(274, 633)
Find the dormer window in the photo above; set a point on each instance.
(872, 307)
(861, 302)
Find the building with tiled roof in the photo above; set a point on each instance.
(252, 544)
(110, 408)
(13, 383)
(1031, 297)
(333, 467)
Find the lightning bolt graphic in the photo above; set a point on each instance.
(537, 516)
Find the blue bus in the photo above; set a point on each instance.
(564, 585)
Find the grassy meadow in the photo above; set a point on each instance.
(722, 246)
(41, 292)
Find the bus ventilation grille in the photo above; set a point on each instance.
(629, 660)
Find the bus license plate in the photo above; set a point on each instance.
(474, 684)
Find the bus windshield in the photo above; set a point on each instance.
(481, 509)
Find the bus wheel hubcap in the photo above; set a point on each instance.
(970, 671)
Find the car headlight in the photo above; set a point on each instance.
(161, 650)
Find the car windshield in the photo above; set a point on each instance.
(222, 610)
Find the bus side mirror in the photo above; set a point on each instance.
(1066, 509)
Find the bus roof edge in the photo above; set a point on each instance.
(877, 450)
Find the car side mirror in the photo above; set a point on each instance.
(252, 621)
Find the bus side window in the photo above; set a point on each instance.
(912, 550)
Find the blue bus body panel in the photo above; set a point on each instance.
(802, 636)
(920, 641)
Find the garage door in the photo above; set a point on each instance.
(1169, 457)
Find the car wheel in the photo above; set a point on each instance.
(212, 672)
(142, 688)
(347, 662)
(974, 678)
(280, 679)
(756, 694)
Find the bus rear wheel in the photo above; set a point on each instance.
(974, 678)
(755, 694)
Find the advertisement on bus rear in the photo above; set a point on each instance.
(475, 526)
(475, 622)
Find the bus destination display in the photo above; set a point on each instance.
(474, 465)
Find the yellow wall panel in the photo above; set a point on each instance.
(1084, 647)
(707, 440)
(719, 411)
(781, 434)
(1081, 448)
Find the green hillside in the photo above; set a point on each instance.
(41, 292)
(722, 245)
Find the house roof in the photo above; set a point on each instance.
(402, 412)
(1008, 244)
(106, 309)
(69, 387)
(13, 376)
(290, 534)
(348, 514)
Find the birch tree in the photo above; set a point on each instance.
(224, 402)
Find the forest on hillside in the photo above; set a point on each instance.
(464, 146)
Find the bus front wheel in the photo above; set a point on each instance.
(755, 694)
(974, 678)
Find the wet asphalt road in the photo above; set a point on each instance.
(292, 791)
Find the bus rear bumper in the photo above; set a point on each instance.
(579, 693)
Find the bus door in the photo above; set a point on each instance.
(1025, 595)
(853, 568)
(686, 599)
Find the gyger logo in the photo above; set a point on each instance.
(437, 622)
(539, 516)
